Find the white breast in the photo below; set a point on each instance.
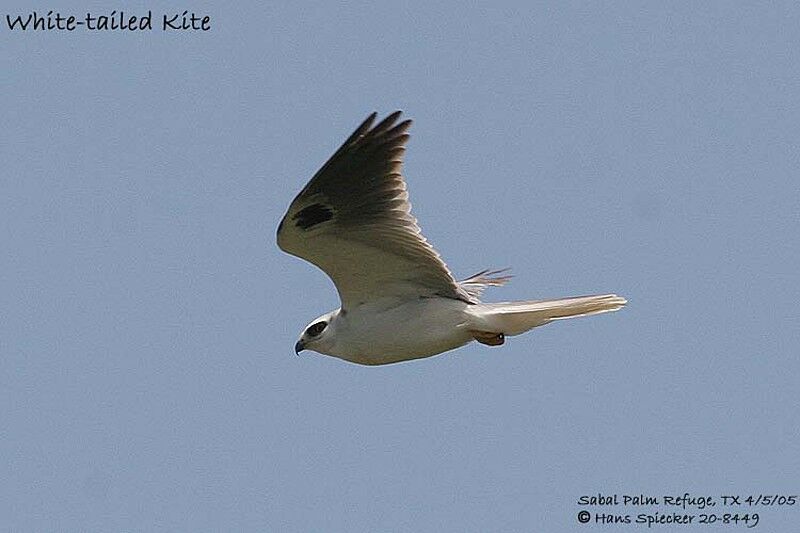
(385, 332)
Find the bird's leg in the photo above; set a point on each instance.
(489, 338)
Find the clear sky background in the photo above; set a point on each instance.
(147, 317)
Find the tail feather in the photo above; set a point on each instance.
(513, 318)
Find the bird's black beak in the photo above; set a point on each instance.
(299, 347)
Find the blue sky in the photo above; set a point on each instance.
(147, 318)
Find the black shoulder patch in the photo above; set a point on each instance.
(314, 214)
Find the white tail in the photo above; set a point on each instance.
(513, 318)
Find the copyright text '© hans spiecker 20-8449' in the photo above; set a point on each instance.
(113, 21)
(735, 510)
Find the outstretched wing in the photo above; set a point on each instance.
(353, 220)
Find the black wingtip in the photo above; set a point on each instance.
(368, 122)
(391, 118)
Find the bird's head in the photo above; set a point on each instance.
(318, 335)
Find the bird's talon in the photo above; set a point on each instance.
(489, 338)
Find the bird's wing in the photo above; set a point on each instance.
(353, 220)
(475, 284)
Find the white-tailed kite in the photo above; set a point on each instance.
(399, 300)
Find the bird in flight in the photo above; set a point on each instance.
(399, 300)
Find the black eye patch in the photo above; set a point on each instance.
(315, 329)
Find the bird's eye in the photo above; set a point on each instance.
(315, 329)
